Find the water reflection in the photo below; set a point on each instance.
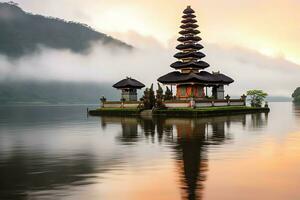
(25, 173)
(296, 108)
(259, 120)
(190, 140)
(45, 154)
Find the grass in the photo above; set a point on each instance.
(226, 110)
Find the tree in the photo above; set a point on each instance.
(168, 94)
(296, 95)
(146, 99)
(152, 96)
(159, 96)
(256, 97)
(149, 98)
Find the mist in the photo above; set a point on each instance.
(148, 61)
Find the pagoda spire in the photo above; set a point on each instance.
(189, 55)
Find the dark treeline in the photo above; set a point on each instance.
(54, 92)
(21, 32)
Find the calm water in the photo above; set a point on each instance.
(56, 152)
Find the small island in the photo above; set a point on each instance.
(190, 82)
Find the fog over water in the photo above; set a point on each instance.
(149, 61)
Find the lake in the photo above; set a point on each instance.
(57, 152)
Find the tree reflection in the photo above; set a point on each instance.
(258, 120)
(296, 108)
(129, 127)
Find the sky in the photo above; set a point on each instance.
(269, 26)
(255, 42)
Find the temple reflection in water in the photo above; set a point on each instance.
(31, 170)
(189, 137)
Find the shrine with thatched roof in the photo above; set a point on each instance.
(129, 87)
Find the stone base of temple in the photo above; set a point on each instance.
(209, 111)
(179, 112)
(182, 103)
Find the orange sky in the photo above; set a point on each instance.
(269, 26)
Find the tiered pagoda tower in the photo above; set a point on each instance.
(190, 55)
(191, 79)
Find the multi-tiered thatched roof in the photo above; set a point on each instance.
(190, 57)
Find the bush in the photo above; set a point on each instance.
(297, 99)
(296, 95)
(256, 97)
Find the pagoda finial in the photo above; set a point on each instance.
(188, 10)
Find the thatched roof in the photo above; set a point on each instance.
(188, 20)
(182, 55)
(189, 38)
(195, 65)
(191, 16)
(188, 26)
(189, 31)
(129, 83)
(188, 10)
(202, 77)
(189, 46)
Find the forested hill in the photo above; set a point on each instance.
(22, 32)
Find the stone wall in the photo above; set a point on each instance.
(177, 103)
(119, 104)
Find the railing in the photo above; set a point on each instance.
(178, 103)
(204, 103)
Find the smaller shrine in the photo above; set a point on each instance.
(129, 87)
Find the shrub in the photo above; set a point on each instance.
(256, 97)
(296, 95)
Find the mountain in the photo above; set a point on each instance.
(278, 99)
(21, 33)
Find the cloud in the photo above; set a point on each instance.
(271, 25)
(101, 64)
(249, 68)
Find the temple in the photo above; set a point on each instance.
(129, 87)
(190, 77)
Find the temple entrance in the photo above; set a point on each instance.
(190, 91)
